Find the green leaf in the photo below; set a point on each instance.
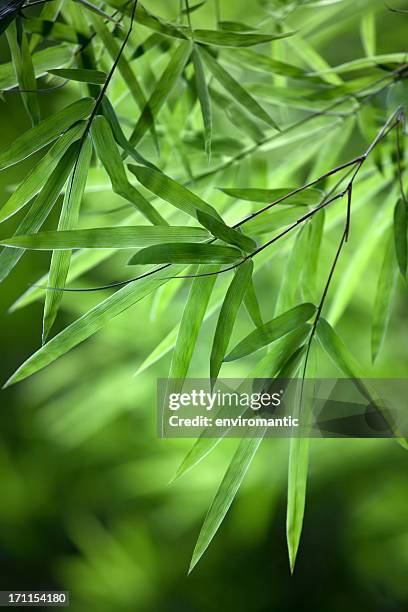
(275, 363)
(367, 30)
(39, 210)
(223, 232)
(236, 90)
(291, 286)
(224, 38)
(24, 69)
(112, 46)
(106, 237)
(314, 229)
(204, 99)
(169, 190)
(109, 155)
(228, 314)
(47, 59)
(83, 75)
(69, 216)
(190, 325)
(387, 284)
(400, 234)
(162, 91)
(252, 305)
(267, 196)
(90, 323)
(45, 132)
(224, 497)
(55, 30)
(280, 326)
(298, 459)
(259, 62)
(186, 253)
(35, 179)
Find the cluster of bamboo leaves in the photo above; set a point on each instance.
(152, 99)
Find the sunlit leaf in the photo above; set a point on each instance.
(224, 232)
(204, 99)
(82, 75)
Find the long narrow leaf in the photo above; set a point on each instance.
(387, 284)
(185, 253)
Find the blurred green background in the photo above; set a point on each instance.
(86, 504)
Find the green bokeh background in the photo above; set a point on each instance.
(86, 504)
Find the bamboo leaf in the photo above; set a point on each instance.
(47, 59)
(368, 34)
(224, 38)
(162, 91)
(190, 325)
(223, 232)
(400, 234)
(109, 155)
(54, 30)
(39, 210)
(35, 180)
(113, 48)
(252, 305)
(24, 69)
(236, 90)
(259, 62)
(83, 75)
(185, 253)
(68, 219)
(90, 323)
(224, 497)
(387, 284)
(271, 331)
(265, 196)
(169, 190)
(45, 132)
(275, 363)
(106, 238)
(228, 314)
(314, 231)
(204, 99)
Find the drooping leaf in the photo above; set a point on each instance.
(269, 332)
(83, 75)
(252, 305)
(314, 238)
(162, 91)
(204, 99)
(228, 314)
(291, 284)
(235, 89)
(368, 33)
(69, 216)
(186, 253)
(40, 209)
(224, 497)
(45, 132)
(109, 155)
(401, 234)
(169, 190)
(275, 363)
(106, 237)
(24, 69)
(90, 323)
(387, 284)
(35, 179)
(224, 232)
(190, 325)
(260, 62)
